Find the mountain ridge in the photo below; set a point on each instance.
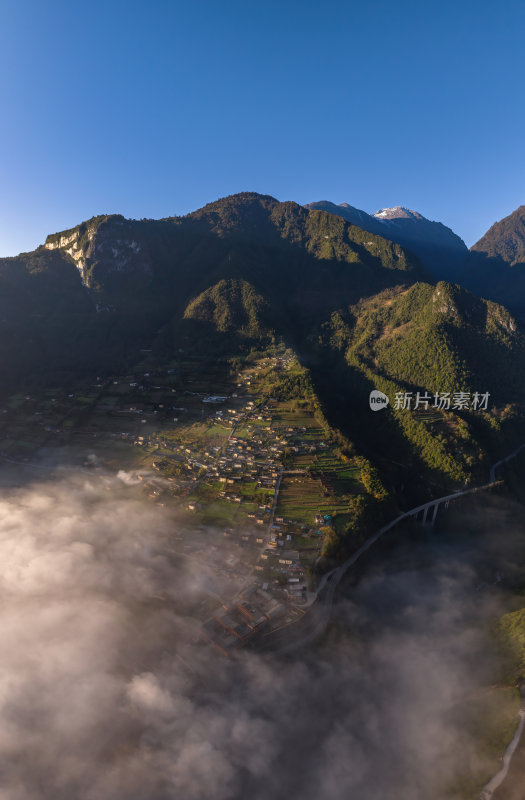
(247, 274)
(440, 249)
(128, 279)
(505, 239)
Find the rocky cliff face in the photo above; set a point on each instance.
(102, 246)
(70, 243)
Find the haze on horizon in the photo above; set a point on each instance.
(156, 113)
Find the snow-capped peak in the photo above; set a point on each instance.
(397, 212)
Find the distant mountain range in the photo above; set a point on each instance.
(246, 265)
(493, 268)
(361, 309)
(440, 249)
(93, 295)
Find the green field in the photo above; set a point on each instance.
(300, 498)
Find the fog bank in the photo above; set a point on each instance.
(106, 692)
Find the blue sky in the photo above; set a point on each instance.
(154, 109)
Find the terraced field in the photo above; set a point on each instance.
(302, 497)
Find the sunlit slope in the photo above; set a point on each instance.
(428, 340)
(92, 296)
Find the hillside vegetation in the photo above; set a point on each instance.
(426, 339)
(505, 239)
(94, 295)
(248, 272)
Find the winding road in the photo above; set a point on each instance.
(499, 777)
(332, 579)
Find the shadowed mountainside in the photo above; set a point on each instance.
(91, 296)
(439, 248)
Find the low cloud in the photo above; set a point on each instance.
(107, 694)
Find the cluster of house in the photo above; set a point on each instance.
(253, 611)
(255, 460)
(277, 557)
(276, 363)
(233, 416)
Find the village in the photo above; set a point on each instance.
(230, 457)
(238, 481)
